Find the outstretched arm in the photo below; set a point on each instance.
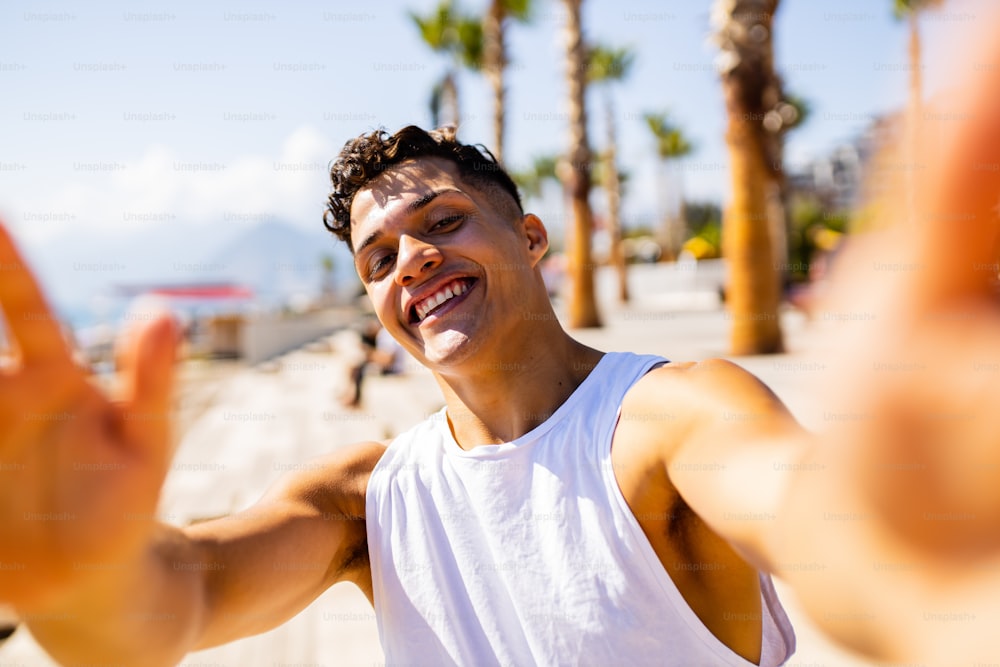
(218, 581)
(97, 579)
(888, 526)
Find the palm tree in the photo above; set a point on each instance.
(575, 174)
(327, 265)
(606, 66)
(910, 10)
(671, 144)
(495, 23)
(743, 32)
(327, 280)
(460, 37)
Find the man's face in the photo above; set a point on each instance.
(445, 270)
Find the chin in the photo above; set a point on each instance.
(448, 349)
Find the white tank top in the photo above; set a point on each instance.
(525, 553)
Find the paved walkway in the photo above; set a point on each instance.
(247, 426)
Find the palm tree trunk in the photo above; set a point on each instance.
(494, 63)
(753, 289)
(912, 123)
(449, 99)
(664, 231)
(582, 302)
(916, 91)
(612, 188)
(750, 89)
(681, 227)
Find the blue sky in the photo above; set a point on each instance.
(119, 117)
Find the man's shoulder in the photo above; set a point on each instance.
(684, 381)
(334, 482)
(351, 465)
(681, 398)
(674, 398)
(714, 374)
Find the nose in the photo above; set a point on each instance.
(413, 258)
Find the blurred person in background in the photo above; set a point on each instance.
(379, 351)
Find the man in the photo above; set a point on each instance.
(568, 505)
(452, 266)
(528, 563)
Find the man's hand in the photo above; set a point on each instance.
(886, 524)
(80, 474)
(95, 576)
(928, 372)
(905, 513)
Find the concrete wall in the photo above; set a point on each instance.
(268, 336)
(671, 286)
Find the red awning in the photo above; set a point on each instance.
(213, 291)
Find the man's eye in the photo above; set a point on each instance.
(449, 221)
(378, 265)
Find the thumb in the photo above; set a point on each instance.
(146, 356)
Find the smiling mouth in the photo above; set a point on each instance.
(427, 307)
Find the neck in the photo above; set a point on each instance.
(501, 396)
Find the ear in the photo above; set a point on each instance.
(537, 237)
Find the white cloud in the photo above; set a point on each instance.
(289, 185)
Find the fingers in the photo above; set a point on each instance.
(33, 327)
(954, 242)
(147, 353)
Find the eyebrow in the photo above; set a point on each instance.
(409, 210)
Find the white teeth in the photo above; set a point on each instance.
(449, 292)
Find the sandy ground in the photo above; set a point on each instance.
(240, 428)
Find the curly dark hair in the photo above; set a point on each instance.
(369, 155)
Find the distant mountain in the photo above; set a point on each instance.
(82, 270)
(278, 261)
